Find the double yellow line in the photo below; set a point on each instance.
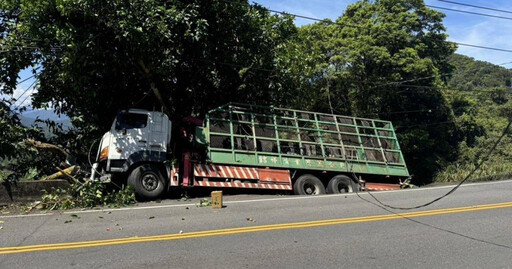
(251, 229)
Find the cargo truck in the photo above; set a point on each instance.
(249, 146)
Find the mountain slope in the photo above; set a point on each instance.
(480, 97)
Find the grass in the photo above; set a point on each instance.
(490, 171)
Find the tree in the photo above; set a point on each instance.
(98, 57)
(377, 42)
(480, 101)
(17, 159)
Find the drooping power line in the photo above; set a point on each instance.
(470, 12)
(476, 6)
(327, 21)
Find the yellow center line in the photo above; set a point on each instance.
(250, 229)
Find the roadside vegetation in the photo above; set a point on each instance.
(94, 58)
(481, 105)
(89, 194)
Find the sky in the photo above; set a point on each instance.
(462, 28)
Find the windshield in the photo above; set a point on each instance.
(131, 121)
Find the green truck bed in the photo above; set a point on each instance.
(249, 135)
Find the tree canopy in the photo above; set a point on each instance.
(101, 56)
(371, 46)
(386, 59)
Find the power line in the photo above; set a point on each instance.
(433, 76)
(33, 88)
(361, 27)
(29, 49)
(470, 12)
(480, 47)
(447, 89)
(426, 124)
(327, 21)
(478, 165)
(26, 90)
(475, 6)
(25, 79)
(413, 111)
(20, 104)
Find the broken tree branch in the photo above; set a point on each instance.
(155, 90)
(46, 146)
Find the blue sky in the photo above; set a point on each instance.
(463, 28)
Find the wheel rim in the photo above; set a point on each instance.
(343, 188)
(149, 181)
(310, 189)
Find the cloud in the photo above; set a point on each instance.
(480, 30)
(490, 33)
(22, 94)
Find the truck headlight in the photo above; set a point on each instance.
(104, 154)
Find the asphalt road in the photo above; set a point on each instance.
(468, 229)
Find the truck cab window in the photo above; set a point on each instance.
(131, 121)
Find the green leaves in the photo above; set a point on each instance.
(376, 42)
(480, 101)
(87, 195)
(201, 54)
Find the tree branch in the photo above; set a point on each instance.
(155, 90)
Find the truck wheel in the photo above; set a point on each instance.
(147, 181)
(341, 184)
(308, 185)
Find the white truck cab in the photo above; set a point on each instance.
(137, 138)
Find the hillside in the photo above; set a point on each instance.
(29, 118)
(478, 93)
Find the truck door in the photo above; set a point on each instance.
(159, 132)
(131, 134)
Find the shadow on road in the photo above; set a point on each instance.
(178, 193)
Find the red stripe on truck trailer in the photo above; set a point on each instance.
(381, 187)
(243, 185)
(231, 176)
(233, 172)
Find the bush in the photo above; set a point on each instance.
(87, 195)
(489, 171)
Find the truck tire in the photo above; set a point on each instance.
(308, 185)
(341, 184)
(148, 182)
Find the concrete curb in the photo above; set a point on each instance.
(23, 191)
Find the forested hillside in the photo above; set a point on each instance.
(478, 93)
(386, 59)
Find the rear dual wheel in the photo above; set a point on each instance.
(341, 184)
(308, 185)
(311, 185)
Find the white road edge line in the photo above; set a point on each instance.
(253, 200)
